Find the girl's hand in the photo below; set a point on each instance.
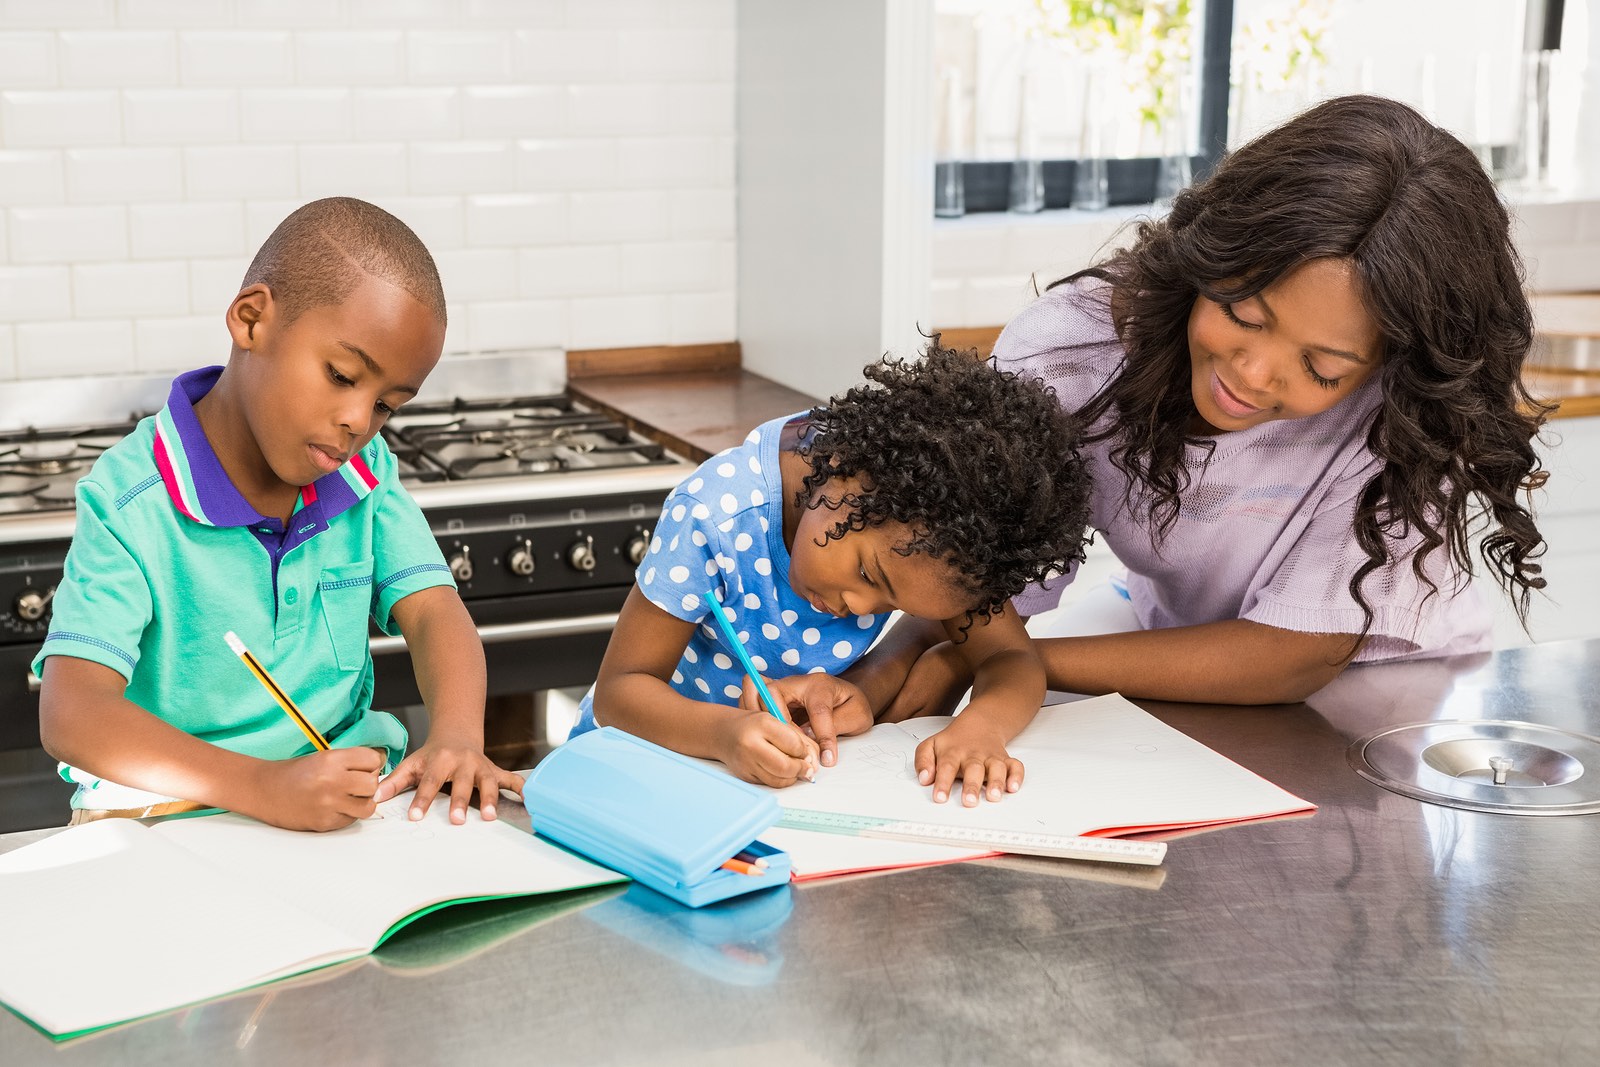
(461, 766)
(831, 706)
(760, 749)
(973, 751)
(320, 791)
(937, 681)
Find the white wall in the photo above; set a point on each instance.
(835, 185)
(569, 162)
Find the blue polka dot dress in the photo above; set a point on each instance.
(722, 530)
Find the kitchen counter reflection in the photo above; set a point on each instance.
(1380, 930)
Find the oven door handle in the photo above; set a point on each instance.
(490, 635)
(497, 633)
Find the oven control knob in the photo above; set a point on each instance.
(581, 555)
(521, 559)
(461, 564)
(31, 605)
(637, 546)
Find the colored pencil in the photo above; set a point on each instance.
(742, 867)
(731, 639)
(290, 708)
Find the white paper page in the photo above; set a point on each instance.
(107, 922)
(364, 878)
(1091, 765)
(812, 853)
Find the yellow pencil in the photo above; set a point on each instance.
(289, 707)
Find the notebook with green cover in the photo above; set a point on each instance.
(116, 920)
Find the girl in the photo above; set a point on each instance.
(1302, 394)
(941, 493)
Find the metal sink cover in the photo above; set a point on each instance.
(1545, 771)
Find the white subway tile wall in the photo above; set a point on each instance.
(569, 162)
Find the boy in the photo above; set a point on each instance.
(261, 500)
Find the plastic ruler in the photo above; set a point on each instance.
(1063, 846)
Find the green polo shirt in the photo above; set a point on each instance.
(168, 557)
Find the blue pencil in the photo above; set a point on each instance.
(732, 639)
(725, 624)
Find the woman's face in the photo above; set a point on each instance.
(1296, 349)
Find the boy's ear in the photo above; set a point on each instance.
(249, 308)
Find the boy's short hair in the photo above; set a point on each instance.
(981, 464)
(323, 250)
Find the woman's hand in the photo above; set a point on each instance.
(830, 706)
(937, 681)
(975, 752)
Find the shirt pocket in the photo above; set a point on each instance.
(346, 592)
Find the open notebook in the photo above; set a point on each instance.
(116, 920)
(1100, 767)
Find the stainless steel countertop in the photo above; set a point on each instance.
(1380, 931)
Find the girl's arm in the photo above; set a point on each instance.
(1008, 687)
(632, 693)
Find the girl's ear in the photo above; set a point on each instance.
(246, 312)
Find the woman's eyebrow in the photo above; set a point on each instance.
(1342, 353)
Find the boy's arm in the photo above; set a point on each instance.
(86, 721)
(1008, 687)
(448, 659)
(632, 693)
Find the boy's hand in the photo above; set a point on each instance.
(832, 706)
(759, 748)
(973, 751)
(322, 791)
(460, 766)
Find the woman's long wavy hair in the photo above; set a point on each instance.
(1372, 182)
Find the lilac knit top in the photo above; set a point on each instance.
(1264, 531)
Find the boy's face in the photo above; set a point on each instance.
(319, 388)
(862, 574)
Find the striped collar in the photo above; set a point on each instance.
(202, 490)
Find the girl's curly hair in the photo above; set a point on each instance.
(981, 464)
(1370, 181)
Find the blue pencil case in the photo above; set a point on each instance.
(658, 817)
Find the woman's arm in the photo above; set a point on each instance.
(1235, 661)
(1231, 662)
(632, 693)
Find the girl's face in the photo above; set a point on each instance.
(1296, 349)
(862, 574)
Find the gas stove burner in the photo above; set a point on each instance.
(19, 486)
(42, 468)
(45, 451)
(59, 493)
